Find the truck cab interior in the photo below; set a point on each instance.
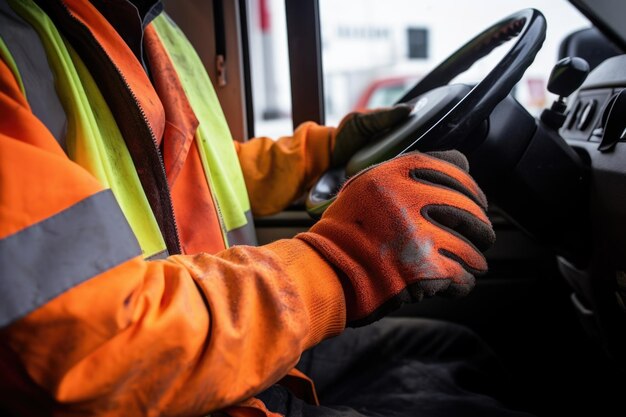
(547, 145)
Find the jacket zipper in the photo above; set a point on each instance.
(168, 193)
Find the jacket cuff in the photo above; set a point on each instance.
(317, 282)
(319, 142)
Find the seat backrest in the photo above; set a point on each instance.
(589, 44)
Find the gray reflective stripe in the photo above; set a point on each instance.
(32, 63)
(48, 258)
(159, 255)
(244, 235)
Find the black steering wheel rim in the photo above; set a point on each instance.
(528, 25)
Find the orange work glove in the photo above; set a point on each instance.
(357, 130)
(411, 227)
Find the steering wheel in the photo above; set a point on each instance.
(443, 115)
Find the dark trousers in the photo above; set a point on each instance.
(399, 367)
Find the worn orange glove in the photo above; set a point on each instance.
(357, 130)
(411, 227)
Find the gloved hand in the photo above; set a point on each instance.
(411, 227)
(357, 130)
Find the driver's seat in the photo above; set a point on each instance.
(589, 44)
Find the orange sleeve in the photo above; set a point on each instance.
(278, 172)
(184, 336)
(181, 336)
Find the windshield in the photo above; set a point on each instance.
(375, 50)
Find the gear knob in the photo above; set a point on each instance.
(567, 75)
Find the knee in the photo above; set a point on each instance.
(437, 337)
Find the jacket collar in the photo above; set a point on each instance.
(130, 19)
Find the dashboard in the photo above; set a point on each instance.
(595, 128)
(591, 108)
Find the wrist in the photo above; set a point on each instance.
(318, 284)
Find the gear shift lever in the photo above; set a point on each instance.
(567, 75)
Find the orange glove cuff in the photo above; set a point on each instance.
(319, 286)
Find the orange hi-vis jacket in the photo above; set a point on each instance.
(88, 326)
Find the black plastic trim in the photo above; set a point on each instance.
(245, 61)
(605, 29)
(305, 61)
